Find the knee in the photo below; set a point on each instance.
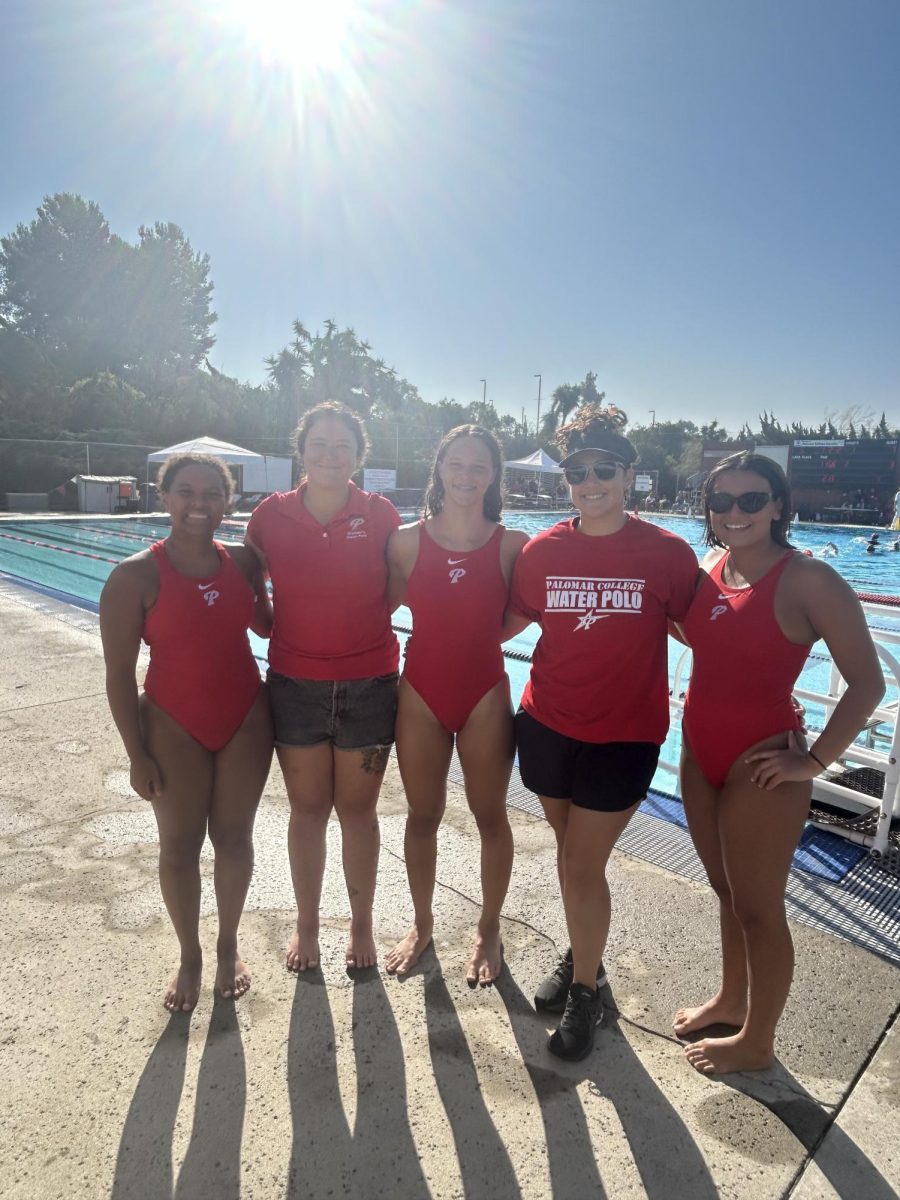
(492, 823)
(756, 916)
(423, 824)
(311, 810)
(582, 872)
(231, 841)
(181, 853)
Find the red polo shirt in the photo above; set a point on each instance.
(329, 586)
(599, 672)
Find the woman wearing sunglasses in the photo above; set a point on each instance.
(602, 585)
(453, 570)
(745, 772)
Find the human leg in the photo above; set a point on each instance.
(358, 775)
(728, 1005)
(240, 772)
(485, 746)
(759, 833)
(181, 812)
(309, 779)
(424, 750)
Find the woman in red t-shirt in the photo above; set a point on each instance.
(200, 737)
(333, 662)
(602, 586)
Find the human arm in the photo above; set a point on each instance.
(402, 551)
(826, 603)
(519, 614)
(122, 612)
(250, 564)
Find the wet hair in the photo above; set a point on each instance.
(596, 428)
(340, 412)
(165, 480)
(493, 498)
(746, 460)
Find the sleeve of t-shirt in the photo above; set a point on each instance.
(685, 569)
(523, 595)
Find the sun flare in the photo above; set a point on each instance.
(304, 34)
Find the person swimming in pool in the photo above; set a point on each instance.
(199, 739)
(453, 569)
(746, 772)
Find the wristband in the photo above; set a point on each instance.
(816, 758)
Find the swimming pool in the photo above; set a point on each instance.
(72, 558)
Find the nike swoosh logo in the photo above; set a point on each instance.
(451, 562)
(204, 586)
(722, 596)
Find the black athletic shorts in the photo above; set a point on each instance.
(603, 776)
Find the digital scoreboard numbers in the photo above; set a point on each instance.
(843, 464)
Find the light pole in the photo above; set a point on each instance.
(483, 383)
(537, 425)
(652, 418)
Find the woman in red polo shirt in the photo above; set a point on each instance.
(333, 663)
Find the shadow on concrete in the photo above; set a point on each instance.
(212, 1165)
(322, 1147)
(483, 1160)
(665, 1154)
(144, 1168)
(385, 1159)
(837, 1156)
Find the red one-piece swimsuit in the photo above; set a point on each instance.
(744, 670)
(457, 600)
(202, 671)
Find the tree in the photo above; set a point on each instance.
(64, 286)
(170, 317)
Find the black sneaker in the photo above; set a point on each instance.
(552, 993)
(574, 1039)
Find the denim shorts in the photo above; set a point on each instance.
(351, 714)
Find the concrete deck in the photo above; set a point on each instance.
(332, 1087)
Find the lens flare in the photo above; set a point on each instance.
(307, 35)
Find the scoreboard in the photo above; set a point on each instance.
(844, 465)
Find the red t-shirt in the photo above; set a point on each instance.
(329, 586)
(599, 671)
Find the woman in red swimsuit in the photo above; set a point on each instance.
(200, 737)
(745, 772)
(453, 570)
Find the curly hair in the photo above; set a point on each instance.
(493, 497)
(331, 408)
(597, 428)
(746, 460)
(165, 480)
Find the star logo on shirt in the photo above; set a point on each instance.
(586, 621)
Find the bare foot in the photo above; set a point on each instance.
(361, 950)
(486, 962)
(232, 975)
(303, 951)
(405, 955)
(713, 1012)
(183, 991)
(721, 1056)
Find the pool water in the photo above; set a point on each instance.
(73, 558)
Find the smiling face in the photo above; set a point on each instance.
(196, 500)
(466, 471)
(600, 500)
(330, 452)
(738, 529)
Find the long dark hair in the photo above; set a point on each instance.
(493, 497)
(746, 460)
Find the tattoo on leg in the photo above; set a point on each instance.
(374, 759)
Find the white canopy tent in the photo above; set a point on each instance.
(540, 462)
(259, 473)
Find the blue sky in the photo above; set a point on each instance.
(699, 200)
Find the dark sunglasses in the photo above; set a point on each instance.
(604, 471)
(747, 502)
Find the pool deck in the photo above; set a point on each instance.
(324, 1086)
